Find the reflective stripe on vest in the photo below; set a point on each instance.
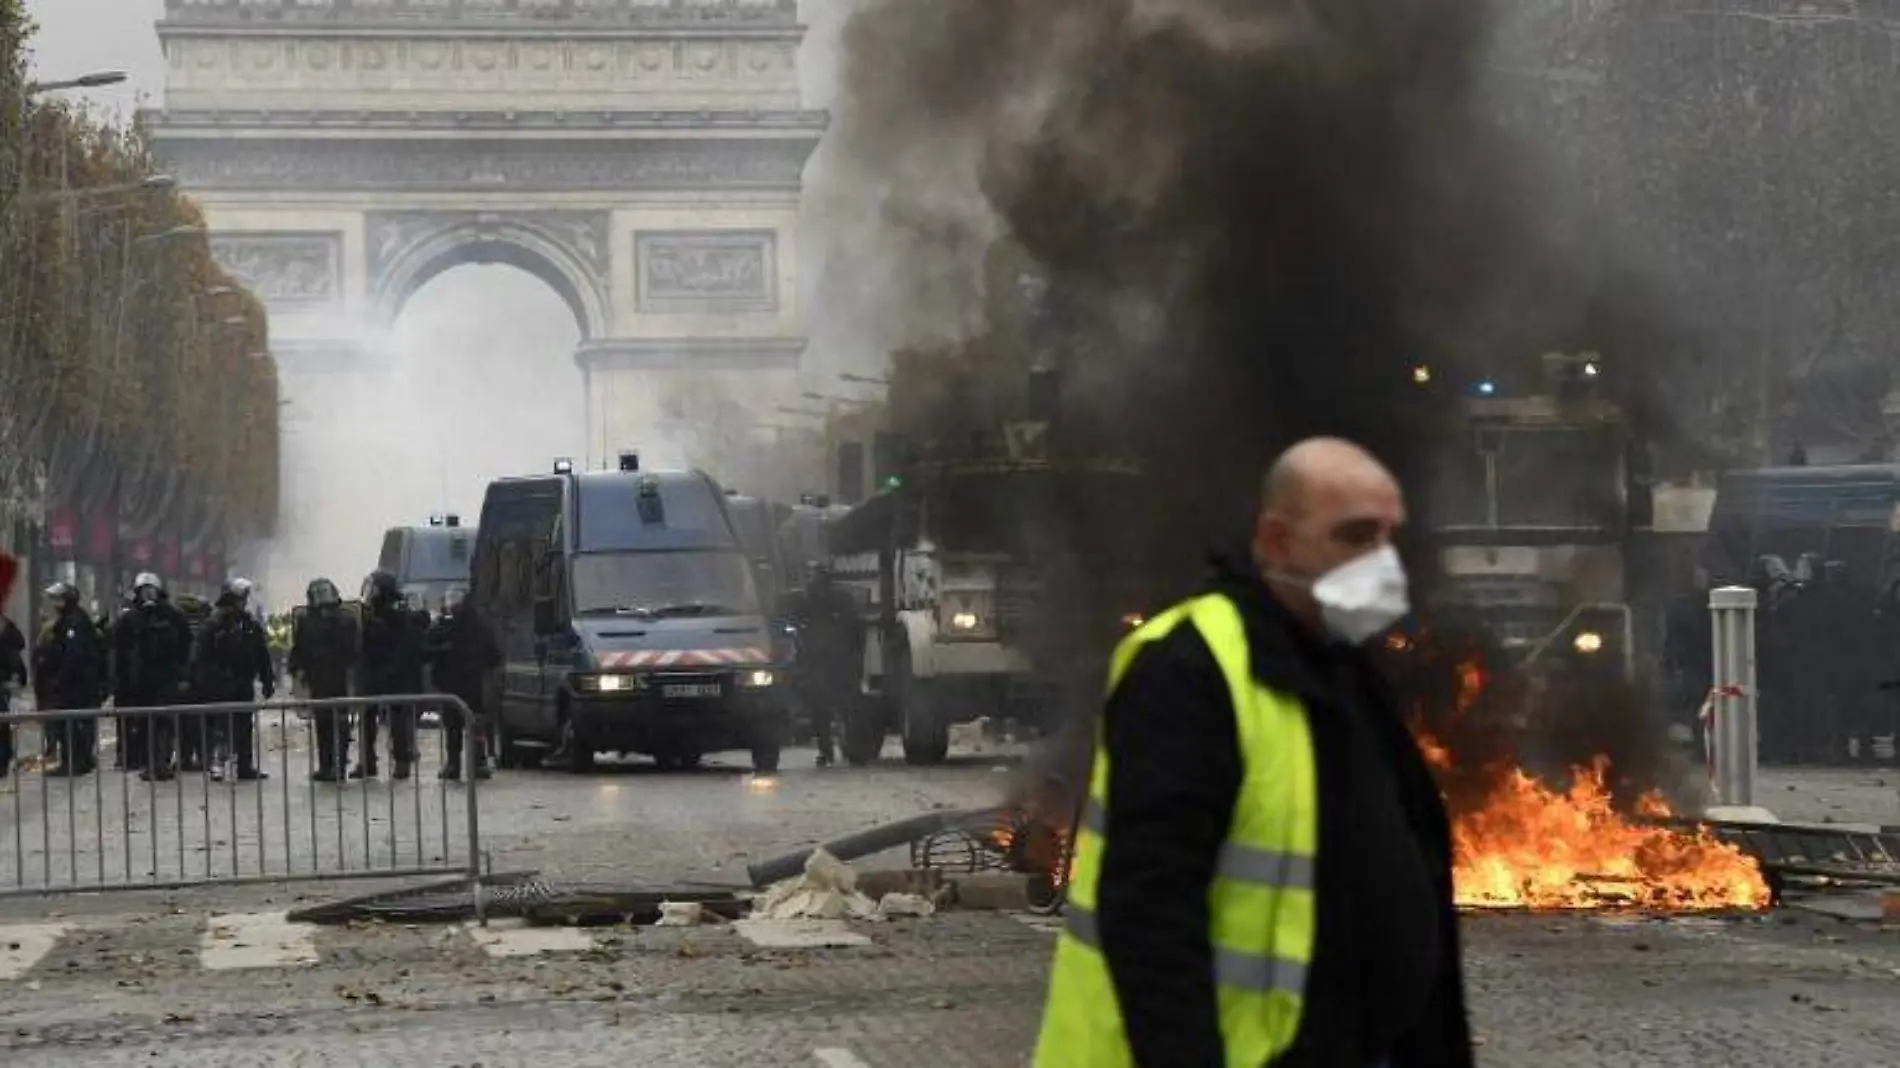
(1261, 905)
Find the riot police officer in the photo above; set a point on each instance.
(70, 672)
(829, 631)
(12, 674)
(232, 660)
(395, 638)
(152, 657)
(463, 650)
(324, 644)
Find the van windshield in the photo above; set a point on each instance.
(665, 583)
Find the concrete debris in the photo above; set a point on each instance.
(681, 914)
(826, 891)
(895, 905)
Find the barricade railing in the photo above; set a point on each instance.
(109, 829)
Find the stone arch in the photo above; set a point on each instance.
(566, 250)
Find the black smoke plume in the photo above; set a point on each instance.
(1252, 221)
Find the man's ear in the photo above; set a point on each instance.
(1269, 538)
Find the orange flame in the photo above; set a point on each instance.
(1527, 845)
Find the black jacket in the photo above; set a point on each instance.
(323, 650)
(1386, 978)
(69, 665)
(151, 649)
(229, 657)
(462, 649)
(395, 649)
(12, 656)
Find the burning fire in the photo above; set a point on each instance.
(1527, 845)
(1522, 844)
(1033, 844)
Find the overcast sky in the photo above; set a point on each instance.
(82, 36)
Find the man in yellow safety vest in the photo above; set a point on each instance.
(1263, 869)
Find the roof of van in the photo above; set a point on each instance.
(435, 554)
(1843, 495)
(692, 513)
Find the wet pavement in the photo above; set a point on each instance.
(217, 977)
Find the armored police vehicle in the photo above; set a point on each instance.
(429, 561)
(628, 616)
(756, 520)
(957, 594)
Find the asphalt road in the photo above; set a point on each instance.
(209, 978)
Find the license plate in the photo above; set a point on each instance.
(693, 689)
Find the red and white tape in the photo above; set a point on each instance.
(1707, 718)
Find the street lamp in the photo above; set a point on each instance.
(96, 80)
(168, 235)
(857, 402)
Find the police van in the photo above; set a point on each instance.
(429, 561)
(628, 616)
(756, 521)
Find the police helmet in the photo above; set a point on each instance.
(322, 592)
(146, 587)
(381, 586)
(235, 591)
(62, 593)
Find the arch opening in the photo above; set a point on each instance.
(480, 384)
(526, 248)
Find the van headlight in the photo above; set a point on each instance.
(967, 615)
(1588, 642)
(609, 683)
(756, 679)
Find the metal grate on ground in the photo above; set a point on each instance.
(522, 895)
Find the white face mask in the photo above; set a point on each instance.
(1363, 596)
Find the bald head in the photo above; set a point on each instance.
(1324, 502)
(1320, 466)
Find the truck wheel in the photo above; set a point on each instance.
(863, 731)
(765, 758)
(579, 758)
(508, 755)
(926, 732)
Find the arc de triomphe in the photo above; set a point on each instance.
(642, 157)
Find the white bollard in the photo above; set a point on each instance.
(1734, 700)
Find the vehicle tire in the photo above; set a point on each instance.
(508, 756)
(678, 760)
(863, 734)
(926, 731)
(765, 758)
(579, 760)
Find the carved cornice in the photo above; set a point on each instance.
(515, 165)
(622, 15)
(691, 354)
(221, 121)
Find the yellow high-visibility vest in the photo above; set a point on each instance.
(1261, 904)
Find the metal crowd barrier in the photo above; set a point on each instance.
(121, 830)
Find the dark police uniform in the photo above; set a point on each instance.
(463, 650)
(152, 656)
(70, 672)
(830, 633)
(324, 646)
(395, 651)
(230, 660)
(12, 674)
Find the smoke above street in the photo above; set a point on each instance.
(1251, 223)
